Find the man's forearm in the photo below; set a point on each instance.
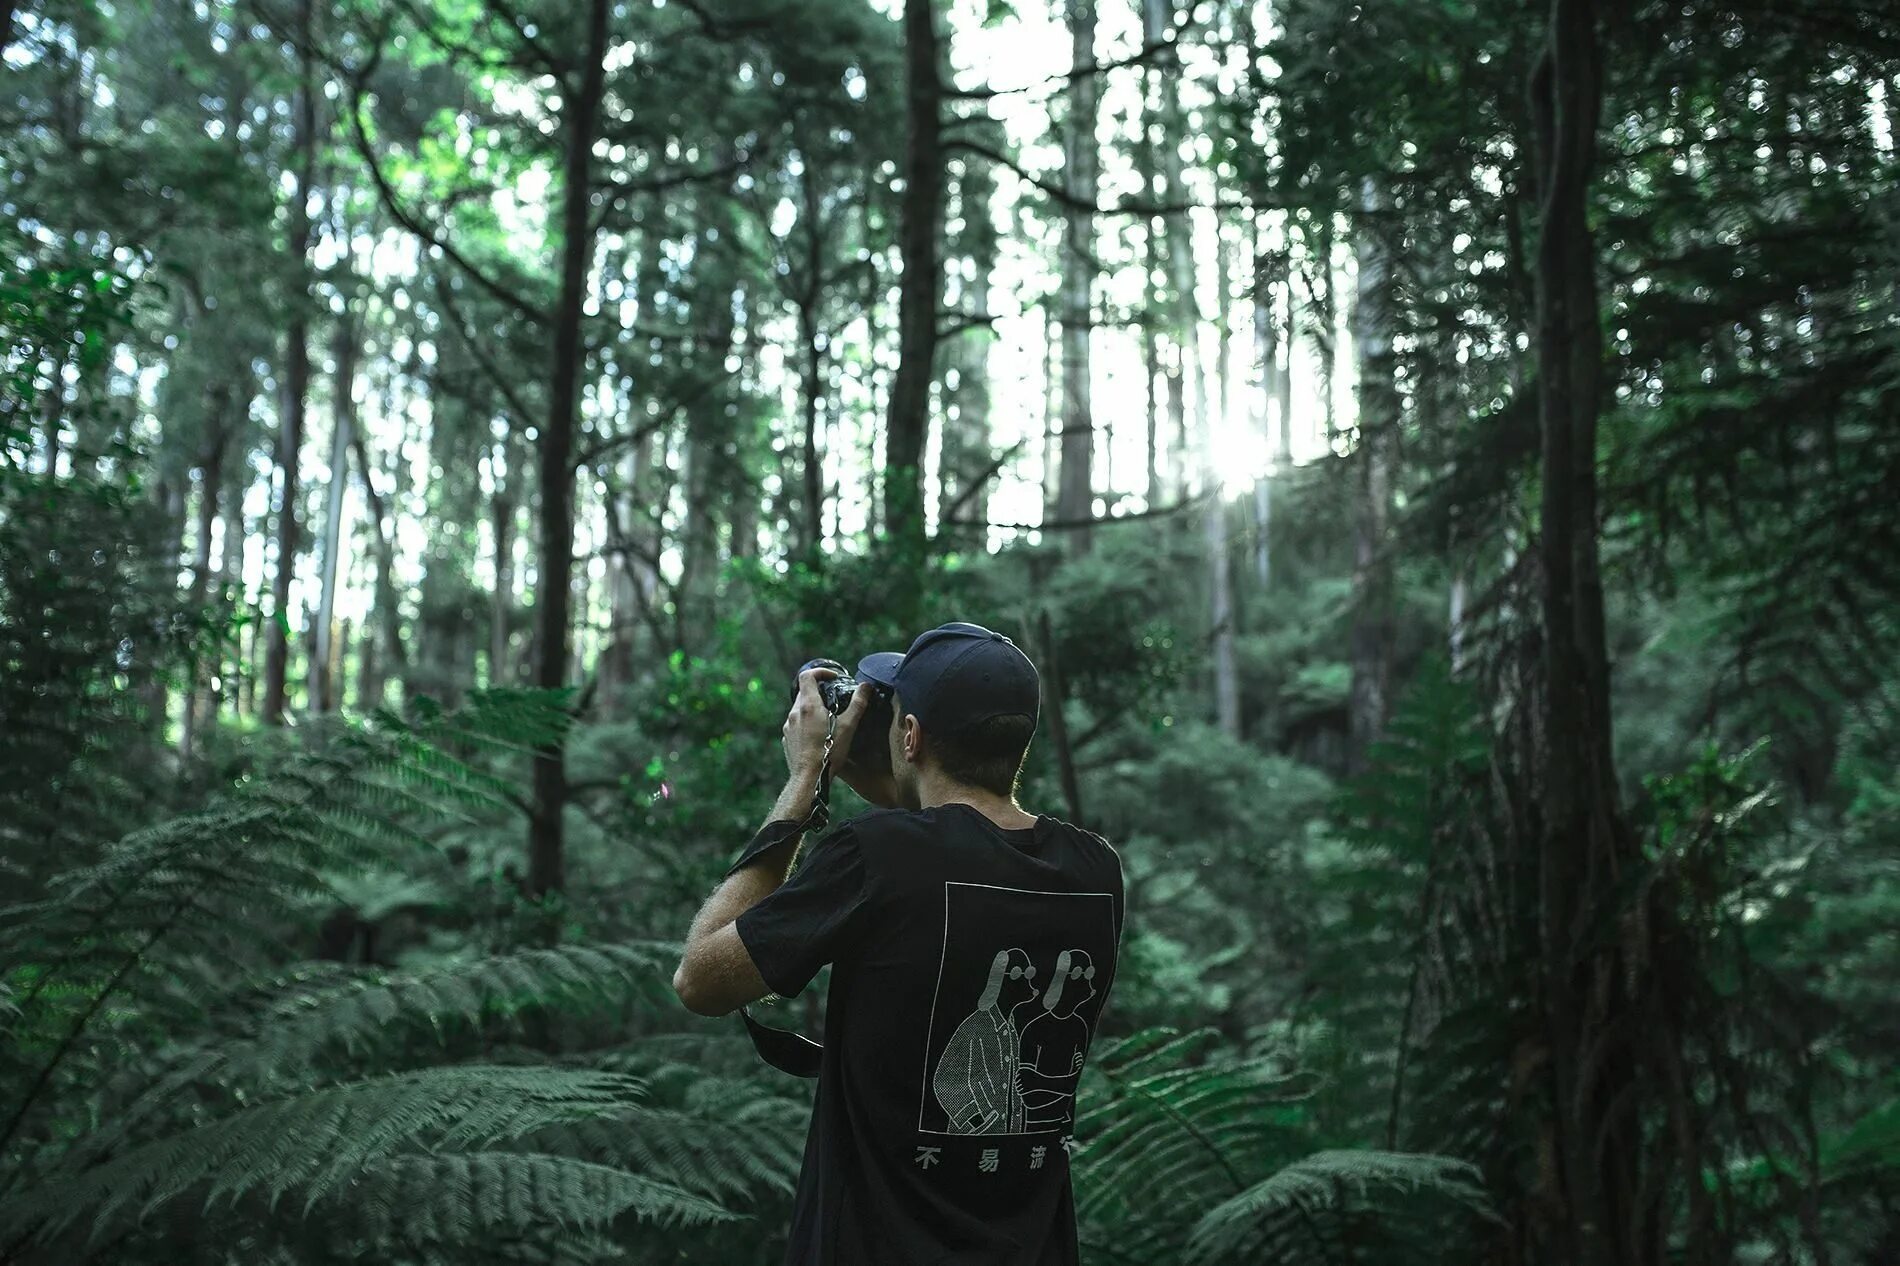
(745, 889)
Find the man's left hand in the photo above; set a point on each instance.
(808, 722)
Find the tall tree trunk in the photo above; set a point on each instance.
(231, 569)
(963, 482)
(1590, 1012)
(1051, 412)
(1185, 317)
(505, 471)
(580, 125)
(169, 494)
(1266, 398)
(1220, 584)
(1370, 638)
(1325, 328)
(295, 383)
(324, 695)
(1154, 246)
(908, 424)
(210, 480)
(1075, 493)
(811, 523)
(395, 656)
(708, 429)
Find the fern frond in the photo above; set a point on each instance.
(314, 1142)
(1273, 1219)
(456, 1198)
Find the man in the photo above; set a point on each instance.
(910, 904)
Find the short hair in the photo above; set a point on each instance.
(987, 754)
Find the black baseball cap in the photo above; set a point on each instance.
(956, 675)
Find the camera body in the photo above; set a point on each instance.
(869, 746)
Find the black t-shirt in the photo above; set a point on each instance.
(971, 967)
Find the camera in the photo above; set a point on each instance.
(835, 691)
(870, 748)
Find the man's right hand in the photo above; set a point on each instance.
(877, 786)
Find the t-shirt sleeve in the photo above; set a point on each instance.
(814, 917)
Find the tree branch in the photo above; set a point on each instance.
(968, 494)
(481, 357)
(359, 137)
(1070, 525)
(1065, 197)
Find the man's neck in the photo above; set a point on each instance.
(1002, 810)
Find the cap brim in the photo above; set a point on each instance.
(881, 667)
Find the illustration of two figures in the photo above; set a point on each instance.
(1011, 1067)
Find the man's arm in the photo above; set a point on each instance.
(716, 975)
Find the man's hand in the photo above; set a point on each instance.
(807, 723)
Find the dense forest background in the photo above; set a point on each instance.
(1441, 454)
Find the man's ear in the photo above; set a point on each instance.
(911, 742)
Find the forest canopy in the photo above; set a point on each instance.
(1440, 455)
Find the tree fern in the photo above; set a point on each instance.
(169, 1083)
(1192, 1155)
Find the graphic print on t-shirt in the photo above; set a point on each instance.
(1014, 1009)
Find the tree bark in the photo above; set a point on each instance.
(811, 526)
(1053, 692)
(1591, 993)
(580, 126)
(1266, 363)
(1075, 493)
(1220, 585)
(1370, 638)
(1051, 414)
(388, 601)
(210, 480)
(295, 386)
(908, 423)
(505, 471)
(708, 429)
(324, 695)
(966, 428)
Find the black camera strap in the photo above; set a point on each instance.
(783, 1049)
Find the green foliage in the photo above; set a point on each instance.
(1193, 1155)
(158, 1052)
(1356, 1206)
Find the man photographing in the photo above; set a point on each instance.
(972, 944)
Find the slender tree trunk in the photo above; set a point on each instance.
(966, 431)
(231, 568)
(169, 493)
(324, 696)
(501, 620)
(1370, 637)
(1075, 494)
(1187, 375)
(811, 526)
(1153, 27)
(908, 424)
(580, 124)
(1051, 413)
(1053, 693)
(1325, 331)
(707, 428)
(210, 480)
(395, 656)
(1266, 363)
(1220, 585)
(295, 383)
(1591, 993)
